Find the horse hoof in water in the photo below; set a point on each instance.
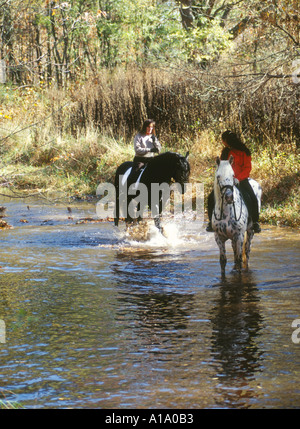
(138, 231)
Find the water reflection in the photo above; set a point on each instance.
(191, 327)
(145, 269)
(147, 291)
(236, 323)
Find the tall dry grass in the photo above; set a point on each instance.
(186, 102)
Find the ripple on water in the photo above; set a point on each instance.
(97, 318)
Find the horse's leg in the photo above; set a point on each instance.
(237, 245)
(117, 207)
(246, 249)
(156, 210)
(116, 218)
(223, 259)
(157, 223)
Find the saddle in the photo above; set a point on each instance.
(134, 174)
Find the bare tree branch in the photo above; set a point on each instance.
(287, 33)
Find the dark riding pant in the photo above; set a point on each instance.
(249, 198)
(139, 162)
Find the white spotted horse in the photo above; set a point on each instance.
(163, 168)
(230, 219)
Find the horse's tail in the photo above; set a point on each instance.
(246, 248)
(244, 255)
(117, 215)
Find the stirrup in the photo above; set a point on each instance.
(209, 228)
(256, 227)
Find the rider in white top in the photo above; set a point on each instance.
(146, 143)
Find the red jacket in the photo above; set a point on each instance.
(241, 164)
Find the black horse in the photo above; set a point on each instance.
(162, 169)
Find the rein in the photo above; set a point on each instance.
(223, 190)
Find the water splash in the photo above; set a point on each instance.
(145, 234)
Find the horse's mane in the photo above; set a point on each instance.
(165, 162)
(167, 155)
(168, 165)
(165, 158)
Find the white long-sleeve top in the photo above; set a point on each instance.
(144, 143)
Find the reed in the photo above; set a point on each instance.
(185, 102)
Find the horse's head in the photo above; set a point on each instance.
(224, 179)
(182, 169)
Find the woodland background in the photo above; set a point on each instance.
(79, 77)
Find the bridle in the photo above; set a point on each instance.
(223, 190)
(181, 174)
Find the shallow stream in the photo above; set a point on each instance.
(95, 318)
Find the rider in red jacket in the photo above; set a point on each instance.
(241, 167)
(241, 163)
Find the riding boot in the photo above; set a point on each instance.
(209, 227)
(256, 227)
